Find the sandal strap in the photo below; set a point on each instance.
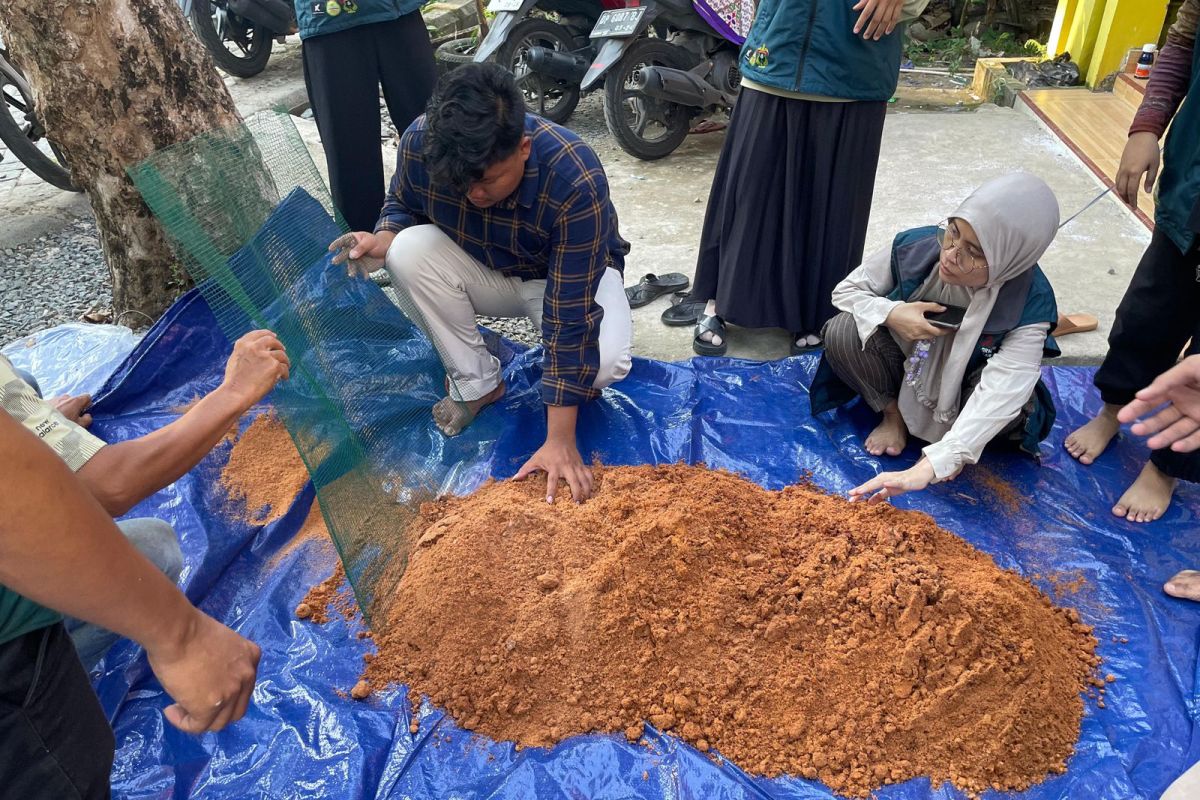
(711, 323)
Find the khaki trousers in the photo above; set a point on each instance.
(449, 288)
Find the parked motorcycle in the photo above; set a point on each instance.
(656, 85)
(525, 44)
(239, 33)
(22, 132)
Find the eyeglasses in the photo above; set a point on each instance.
(965, 259)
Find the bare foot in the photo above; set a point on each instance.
(889, 436)
(1185, 585)
(1087, 443)
(1147, 499)
(452, 416)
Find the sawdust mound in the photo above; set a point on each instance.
(791, 631)
(264, 471)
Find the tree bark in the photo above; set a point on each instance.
(117, 80)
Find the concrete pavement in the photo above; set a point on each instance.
(930, 161)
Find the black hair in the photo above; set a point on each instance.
(475, 118)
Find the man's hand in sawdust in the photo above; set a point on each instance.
(257, 364)
(1139, 165)
(208, 670)
(879, 17)
(560, 460)
(1175, 398)
(887, 485)
(559, 457)
(361, 252)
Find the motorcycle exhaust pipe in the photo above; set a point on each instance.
(275, 15)
(555, 64)
(676, 86)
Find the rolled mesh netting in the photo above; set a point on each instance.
(251, 220)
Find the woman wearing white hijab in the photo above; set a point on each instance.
(960, 388)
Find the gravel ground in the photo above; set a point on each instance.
(53, 279)
(71, 262)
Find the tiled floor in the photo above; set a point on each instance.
(1095, 125)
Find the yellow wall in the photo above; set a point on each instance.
(1098, 33)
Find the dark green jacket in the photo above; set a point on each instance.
(316, 17)
(810, 46)
(1179, 187)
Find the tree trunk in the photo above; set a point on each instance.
(115, 81)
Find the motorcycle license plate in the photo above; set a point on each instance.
(618, 22)
(497, 6)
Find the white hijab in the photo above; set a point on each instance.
(1015, 218)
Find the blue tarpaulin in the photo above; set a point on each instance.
(301, 738)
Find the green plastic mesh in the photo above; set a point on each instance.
(261, 262)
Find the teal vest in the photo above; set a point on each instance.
(1025, 300)
(316, 17)
(1179, 186)
(810, 46)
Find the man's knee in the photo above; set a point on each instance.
(410, 251)
(615, 365)
(156, 540)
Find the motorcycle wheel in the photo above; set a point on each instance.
(554, 100)
(20, 131)
(644, 127)
(219, 31)
(453, 54)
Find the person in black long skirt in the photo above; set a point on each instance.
(350, 48)
(787, 213)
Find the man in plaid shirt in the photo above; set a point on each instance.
(497, 212)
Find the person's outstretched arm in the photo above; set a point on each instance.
(122, 475)
(1174, 397)
(59, 548)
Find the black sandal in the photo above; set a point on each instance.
(799, 350)
(710, 324)
(652, 287)
(684, 310)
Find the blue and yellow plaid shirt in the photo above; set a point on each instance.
(560, 225)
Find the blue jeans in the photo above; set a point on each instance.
(32, 381)
(154, 539)
(57, 742)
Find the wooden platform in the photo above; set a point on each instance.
(1094, 125)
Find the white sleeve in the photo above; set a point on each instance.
(863, 293)
(912, 9)
(1008, 380)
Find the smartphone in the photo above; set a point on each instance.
(951, 318)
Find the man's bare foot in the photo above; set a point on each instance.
(1148, 498)
(1185, 585)
(452, 416)
(889, 436)
(1087, 443)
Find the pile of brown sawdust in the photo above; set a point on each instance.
(791, 631)
(331, 594)
(264, 471)
(313, 530)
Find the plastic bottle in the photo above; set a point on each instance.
(1145, 61)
